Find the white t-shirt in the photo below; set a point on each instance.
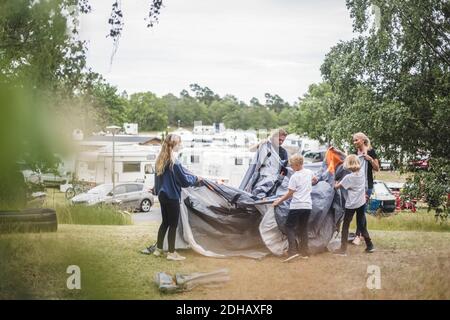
(355, 184)
(301, 183)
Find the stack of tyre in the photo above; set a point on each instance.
(28, 220)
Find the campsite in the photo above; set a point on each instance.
(226, 150)
(412, 254)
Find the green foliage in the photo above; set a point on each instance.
(28, 135)
(315, 113)
(91, 215)
(204, 94)
(186, 109)
(275, 102)
(109, 105)
(432, 185)
(148, 111)
(36, 47)
(206, 106)
(391, 82)
(395, 77)
(421, 220)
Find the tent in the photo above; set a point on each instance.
(220, 221)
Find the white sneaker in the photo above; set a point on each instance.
(175, 256)
(357, 241)
(158, 252)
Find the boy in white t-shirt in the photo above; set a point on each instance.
(300, 186)
(355, 184)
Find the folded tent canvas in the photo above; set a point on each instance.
(220, 221)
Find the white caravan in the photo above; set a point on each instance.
(222, 164)
(130, 128)
(235, 138)
(187, 138)
(297, 144)
(133, 163)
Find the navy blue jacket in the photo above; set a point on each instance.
(171, 181)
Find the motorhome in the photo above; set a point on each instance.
(133, 163)
(222, 164)
(130, 128)
(187, 138)
(235, 138)
(298, 144)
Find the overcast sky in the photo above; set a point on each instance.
(239, 47)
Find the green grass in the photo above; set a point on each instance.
(92, 215)
(391, 176)
(34, 265)
(421, 220)
(80, 214)
(414, 265)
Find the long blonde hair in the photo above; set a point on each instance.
(360, 135)
(166, 156)
(352, 163)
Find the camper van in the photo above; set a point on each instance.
(235, 138)
(130, 128)
(222, 164)
(297, 144)
(133, 163)
(187, 138)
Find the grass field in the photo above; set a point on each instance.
(413, 254)
(422, 220)
(87, 215)
(414, 265)
(391, 176)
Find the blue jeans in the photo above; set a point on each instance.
(364, 222)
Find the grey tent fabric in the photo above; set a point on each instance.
(222, 221)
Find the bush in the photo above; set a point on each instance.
(433, 186)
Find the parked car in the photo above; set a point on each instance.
(55, 180)
(421, 162)
(382, 201)
(314, 156)
(29, 175)
(402, 202)
(129, 196)
(49, 179)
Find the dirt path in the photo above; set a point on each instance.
(413, 265)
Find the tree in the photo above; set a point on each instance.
(220, 108)
(254, 102)
(36, 48)
(275, 102)
(204, 94)
(148, 111)
(43, 79)
(315, 113)
(392, 80)
(109, 104)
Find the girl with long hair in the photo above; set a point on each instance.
(170, 177)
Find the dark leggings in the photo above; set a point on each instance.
(170, 211)
(360, 222)
(368, 193)
(298, 217)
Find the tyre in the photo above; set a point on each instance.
(29, 220)
(70, 193)
(145, 206)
